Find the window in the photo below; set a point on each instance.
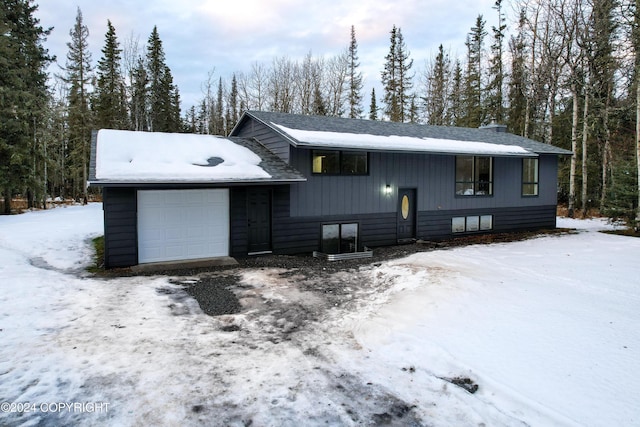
(472, 223)
(474, 176)
(529, 177)
(339, 238)
(333, 162)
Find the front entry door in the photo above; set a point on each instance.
(406, 214)
(259, 220)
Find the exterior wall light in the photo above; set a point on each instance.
(387, 190)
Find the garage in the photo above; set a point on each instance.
(176, 225)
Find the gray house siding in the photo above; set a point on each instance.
(303, 234)
(120, 227)
(432, 175)
(239, 237)
(267, 137)
(436, 225)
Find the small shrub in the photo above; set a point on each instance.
(98, 245)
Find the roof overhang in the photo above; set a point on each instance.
(199, 184)
(398, 143)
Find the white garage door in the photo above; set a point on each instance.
(182, 224)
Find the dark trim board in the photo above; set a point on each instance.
(120, 208)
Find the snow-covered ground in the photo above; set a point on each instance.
(547, 328)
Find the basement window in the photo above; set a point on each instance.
(471, 223)
(339, 238)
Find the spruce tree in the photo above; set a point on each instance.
(78, 76)
(517, 83)
(438, 77)
(456, 115)
(139, 97)
(23, 100)
(110, 99)
(233, 102)
(396, 79)
(163, 96)
(390, 80)
(373, 106)
(495, 107)
(355, 79)
(473, 109)
(405, 79)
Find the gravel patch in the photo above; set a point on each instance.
(214, 289)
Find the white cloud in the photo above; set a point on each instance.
(199, 36)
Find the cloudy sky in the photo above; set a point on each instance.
(200, 36)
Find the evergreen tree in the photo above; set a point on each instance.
(456, 115)
(405, 79)
(139, 97)
(163, 96)
(396, 80)
(217, 120)
(472, 98)
(23, 95)
(233, 102)
(495, 107)
(319, 107)
(78, 77)
(517, 84)
(373, 106)
(355, 79)
(389, 80)
(110, 98)
(435, 101)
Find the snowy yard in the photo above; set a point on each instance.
(547, 328)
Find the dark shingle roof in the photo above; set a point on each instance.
(382, 128)
(271, 163)
(279, 170)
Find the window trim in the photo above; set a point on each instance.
(474, 183)
(340, 162)
(536, 183)
(340, 224)
(479, 224)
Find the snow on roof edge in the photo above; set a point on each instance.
(130, 156)
(323, 139)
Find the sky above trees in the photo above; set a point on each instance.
(203, 36)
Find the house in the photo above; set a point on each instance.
(174, 197)
(326, 184)
(373, 183)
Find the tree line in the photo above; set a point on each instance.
(563, 72)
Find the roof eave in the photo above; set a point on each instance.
(221, 183)
(291, 140)
(411, 151)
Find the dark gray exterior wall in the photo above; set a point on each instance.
(275, 142)
(120, 227)
(432, 175)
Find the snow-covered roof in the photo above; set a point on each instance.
(375, 135)
(153, 157)
(321, 139)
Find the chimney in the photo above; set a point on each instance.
(495, 127)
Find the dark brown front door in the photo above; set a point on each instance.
(259, 220)
(406, 214)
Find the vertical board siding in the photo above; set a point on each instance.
(238, 227)
(120, 227)
(251, 128)
(433, 176)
